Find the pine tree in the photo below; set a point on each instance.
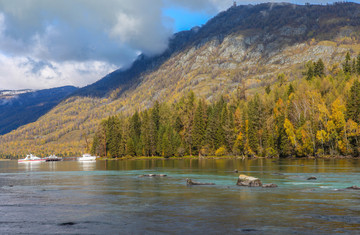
(346, 64)
(255, 117)
(353, 103)
(114, 137)
(187, 116)
(358, 64)
(135, 133)
(211, 129)
(309, 74)
(130, 147)
(199, 128)
(319, 68)
(229, 129)
(353, 67)
(282, 142)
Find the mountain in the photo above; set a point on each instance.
(21, 107)
(244, 47)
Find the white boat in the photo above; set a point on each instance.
(31, 158)
(87, 157)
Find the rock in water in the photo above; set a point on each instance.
(312, 178)
(269, 186)
(249, 181)
(354, 187)
(190, 182)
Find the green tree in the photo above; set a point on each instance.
(347, 64)
(256, 121)
(319, 68)
(353, 103)
(309, 74)
(199, 128)
(358, 64)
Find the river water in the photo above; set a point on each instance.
(108, 197)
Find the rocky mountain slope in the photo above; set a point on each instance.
(245, 46)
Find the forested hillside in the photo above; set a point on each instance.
(314, 116)
(238, 53)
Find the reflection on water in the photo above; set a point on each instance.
(88, 165)
(30, 166)
(108, 197)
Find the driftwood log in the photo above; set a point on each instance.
(190, 182)
(248, 181)
(354, 187)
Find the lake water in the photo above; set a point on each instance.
(108, 197)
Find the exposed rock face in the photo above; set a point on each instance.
(190, 182)
(249, 181)
(269, 186)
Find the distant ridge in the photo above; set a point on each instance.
(20, 107)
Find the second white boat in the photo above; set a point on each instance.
(87, 158)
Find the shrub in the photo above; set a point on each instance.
(220, 151)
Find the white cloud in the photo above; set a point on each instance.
(22, 73)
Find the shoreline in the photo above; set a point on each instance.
(223, 157)
(207, 158)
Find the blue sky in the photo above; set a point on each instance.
(185, 19)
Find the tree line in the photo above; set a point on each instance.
(316, 115)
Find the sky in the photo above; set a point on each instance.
(52, 43)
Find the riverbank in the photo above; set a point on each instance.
(224, 157)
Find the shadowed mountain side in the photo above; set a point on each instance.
(28, 107)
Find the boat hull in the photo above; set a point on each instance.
(26, 161)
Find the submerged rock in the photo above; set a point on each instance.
(153, 175)
(312, 178)
(190, 182)
(67, 224)
(269, 185)
(354, 187)
(249, 181)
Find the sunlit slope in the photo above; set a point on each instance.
(244, 47)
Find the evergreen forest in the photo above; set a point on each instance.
(317, 115)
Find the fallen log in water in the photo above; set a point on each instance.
(190, 182)
(354, 187)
